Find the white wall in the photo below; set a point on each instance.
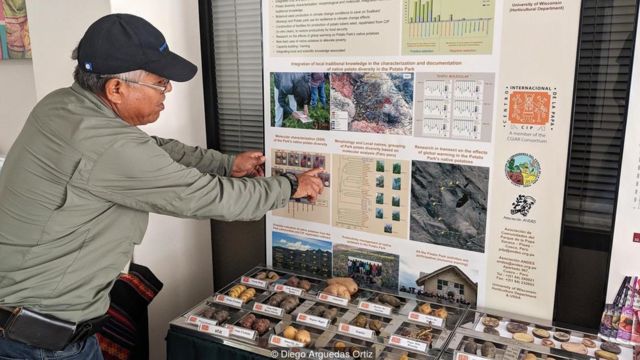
(178, 251)
(17, 97)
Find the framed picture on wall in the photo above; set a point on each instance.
(15, 42)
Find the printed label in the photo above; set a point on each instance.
(464, 356)
(408, 343)
(228, 300)
(312, 320)
(213, 329)
(288, 289)
(426, 319)
(267, 309)
(254, 282)
(284, 342)
(374, 308)
(333, 299)
(354, 330)
(197, 320)
(242, 332)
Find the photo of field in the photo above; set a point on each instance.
(302, 255)
(372, 102)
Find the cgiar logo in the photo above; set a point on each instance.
(522, 205)
(522, 169)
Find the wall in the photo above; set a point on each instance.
(178, 251)
(17, 97)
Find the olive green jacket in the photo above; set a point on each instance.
(76, 191)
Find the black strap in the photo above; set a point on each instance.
(5, 315)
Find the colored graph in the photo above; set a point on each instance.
(448, 26)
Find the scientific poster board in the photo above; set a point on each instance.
(625, 250)
(443, 129)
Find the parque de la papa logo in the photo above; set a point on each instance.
(522, 169)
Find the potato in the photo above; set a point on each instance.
(261, 326)
(290, 332)
(348, 282)
(330, 313)
(221, 316)
(273, 276)
(304, 285)
(338, 290)
(289, 303)
(360, 321)
(376, 325)
(292, 281)
(247, 321)
(389, 300)
(303, 336)
(425, 309)
(276, 299)
(441, 313)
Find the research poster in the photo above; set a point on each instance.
(442, 127)
(625, 250)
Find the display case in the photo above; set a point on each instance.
(271, 309)
(499, 335)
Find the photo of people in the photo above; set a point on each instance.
(369, 268)
(299, 100)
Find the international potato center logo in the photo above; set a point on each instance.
(529, 107)
(522, 169)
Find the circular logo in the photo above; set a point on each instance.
(522, 169)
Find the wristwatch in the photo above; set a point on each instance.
(293, 180)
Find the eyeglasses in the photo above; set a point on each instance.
(162, 88)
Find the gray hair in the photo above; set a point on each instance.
(96, 82)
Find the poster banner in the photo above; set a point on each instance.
(440, 125)
(625, 250)
(15, 42)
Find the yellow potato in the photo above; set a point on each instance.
(347, 282)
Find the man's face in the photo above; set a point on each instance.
(142, 104)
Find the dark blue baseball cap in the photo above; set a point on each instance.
(119, 43)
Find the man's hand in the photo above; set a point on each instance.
(248, 163)
(309, 185)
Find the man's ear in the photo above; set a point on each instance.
(114, 90)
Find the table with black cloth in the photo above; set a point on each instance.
(185, 344)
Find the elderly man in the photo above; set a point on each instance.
(80, 181)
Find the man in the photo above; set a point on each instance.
(286, 87)
(80, 180)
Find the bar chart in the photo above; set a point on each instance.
(448, 26)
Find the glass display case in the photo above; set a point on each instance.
(271, 309)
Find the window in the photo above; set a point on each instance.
(237, 41)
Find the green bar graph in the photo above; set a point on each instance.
(430, 25)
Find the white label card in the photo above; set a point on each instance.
(426, 319)
(356, 331)
(408, 343)
(254, 282)
(458, 355)
(197, 320)
(312, 320)
(228, 300)
(374, 308)
(213, 329)
(333, 299)
(288, 289)
(267, 309)
(284, 342)
(242, 332)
